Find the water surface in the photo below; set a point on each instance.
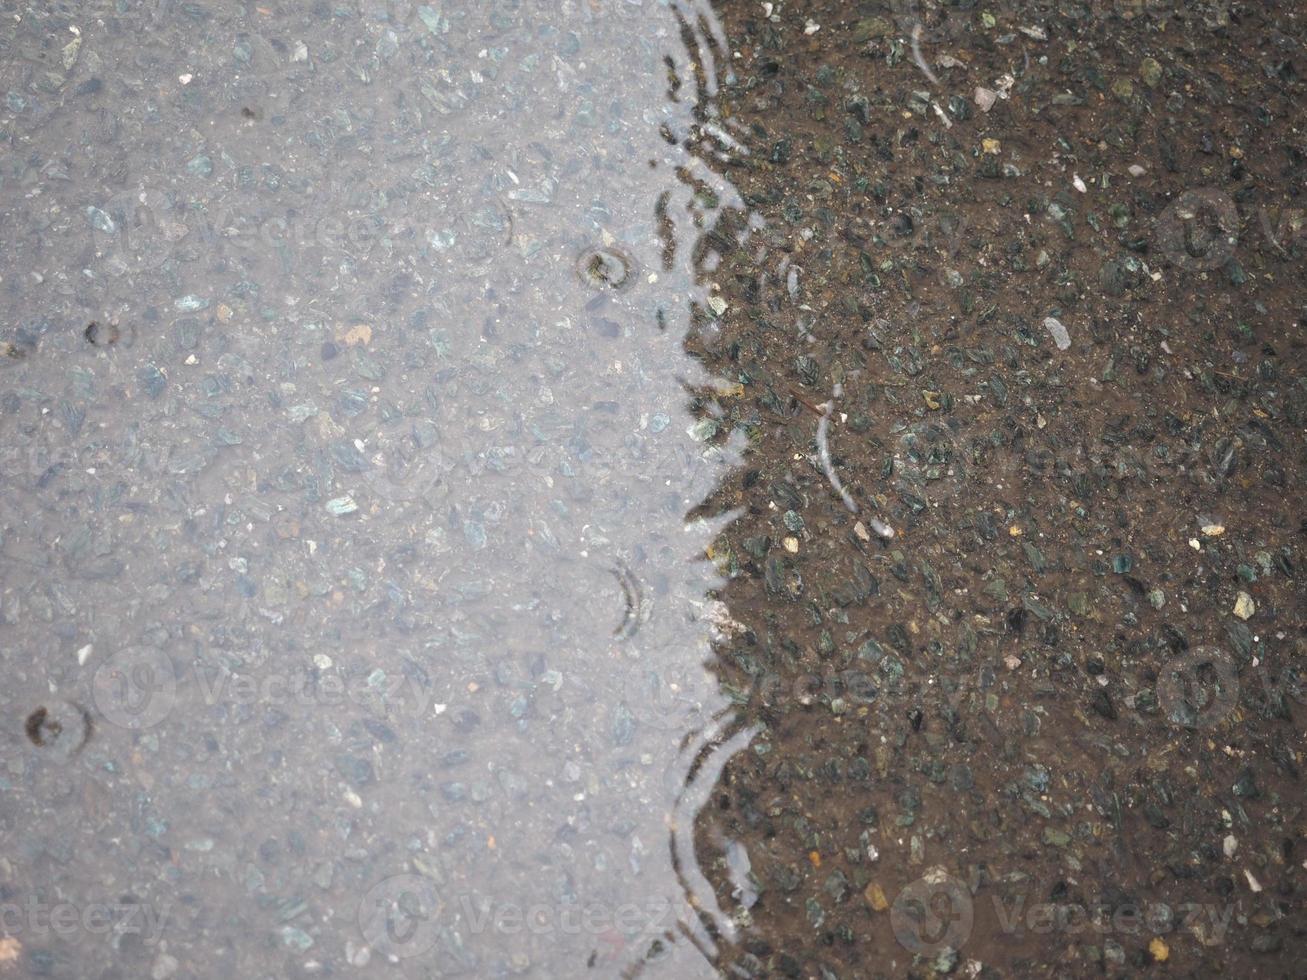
(350, 449)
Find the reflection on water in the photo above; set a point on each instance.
(349, 445)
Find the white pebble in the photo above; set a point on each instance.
(1058, 332)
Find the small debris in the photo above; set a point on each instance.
(605, 267)
(62, 726)
(823, 452)
(100, 220)
(985, 98)
(165, 967)
(101, 334)
(70, 51)
(360, 334)
(916, 54)
(881, 528)
(1159, 950)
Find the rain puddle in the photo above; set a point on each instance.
(355, 488)
(506, 488)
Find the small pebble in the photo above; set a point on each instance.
(1058, 332)
(1244, 606)
(340, 506)
(165, 966)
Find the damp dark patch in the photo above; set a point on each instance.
(62, 727)
(40, 730)
(633, 596)
(606, 268)
(102, 334)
